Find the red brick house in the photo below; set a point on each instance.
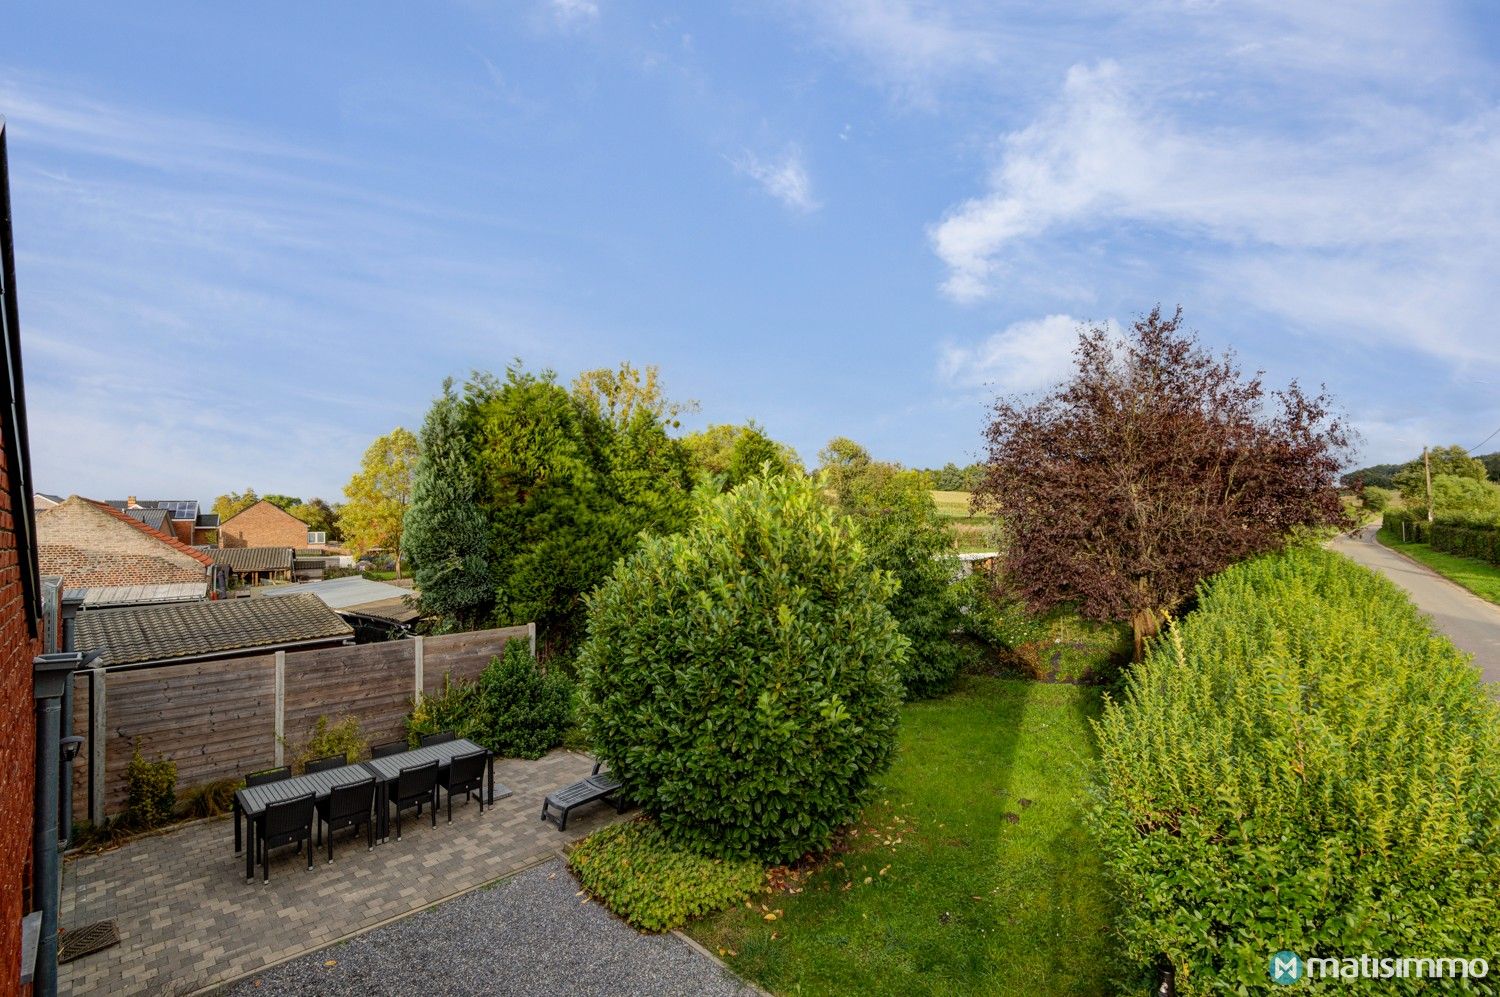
(20, 626)
(263, 525)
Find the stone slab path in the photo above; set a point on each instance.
(189, 921)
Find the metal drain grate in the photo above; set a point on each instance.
(87, 940)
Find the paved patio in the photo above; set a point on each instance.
(188, 920)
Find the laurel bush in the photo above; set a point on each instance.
(1301, 764)
(742, 677)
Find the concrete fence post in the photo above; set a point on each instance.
(280, 708)
(97, 735)
(531, 635)
(416, 656)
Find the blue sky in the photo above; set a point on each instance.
(252, 238)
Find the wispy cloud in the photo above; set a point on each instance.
(1364, 226)
(1024, 356)
(784, 177)
(574, 12)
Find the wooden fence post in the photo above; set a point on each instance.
(280, 707)
(97, 735)
(417, 666)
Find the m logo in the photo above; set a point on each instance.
(1285, 967)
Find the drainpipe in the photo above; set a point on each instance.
(51, 674)
(71, 603)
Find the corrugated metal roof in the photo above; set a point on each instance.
(129, 595)
(342, 593)
(194, 629)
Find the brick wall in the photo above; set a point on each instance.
(89, 546)
(17, 747)
(263, 525)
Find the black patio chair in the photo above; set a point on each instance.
(325, 763)
(465, 775)
(415, 786)
(441, 737)
(349, 805)
(282, 824)
(268, 775)
(388, 748)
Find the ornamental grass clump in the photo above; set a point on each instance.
(742, 678)
(1301, 765)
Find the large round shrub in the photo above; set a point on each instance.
(742, 678)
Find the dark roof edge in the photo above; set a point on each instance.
(238, 652)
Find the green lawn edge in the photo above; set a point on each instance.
(1478, 577)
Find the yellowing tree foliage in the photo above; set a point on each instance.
(379, 493)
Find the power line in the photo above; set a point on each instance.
(1485, 440)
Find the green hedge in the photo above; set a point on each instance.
(656, 885)
(1465, 538)
(1301, 764)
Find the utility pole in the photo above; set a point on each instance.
(1427, 470)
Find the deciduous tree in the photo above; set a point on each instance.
(1154, 466)
(379, 493)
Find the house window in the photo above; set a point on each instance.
(317, 537)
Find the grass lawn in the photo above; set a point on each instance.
(970, 874)
(1478, 577)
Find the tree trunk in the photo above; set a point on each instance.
(1145, 624)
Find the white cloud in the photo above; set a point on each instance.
(572, 12)
(1386, 223)
(784, 178)
(1024, 356)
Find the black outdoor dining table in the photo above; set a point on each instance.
(388, 768)
(253, 800)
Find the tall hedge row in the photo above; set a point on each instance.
(1301, 764)
(1452, 536)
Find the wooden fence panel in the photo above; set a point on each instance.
(218, 719)
(215, 719)
(464, 656)
(374, 682)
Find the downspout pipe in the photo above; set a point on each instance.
(51, 674)
(71, 603)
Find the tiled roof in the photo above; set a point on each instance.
(241, 559)
(193, 629)
(166, 539)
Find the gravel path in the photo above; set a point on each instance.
(529, 935)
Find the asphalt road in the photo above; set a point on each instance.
(1467, 620)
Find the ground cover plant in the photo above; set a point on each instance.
(742, 677)
(656, 885)
(1302, 765)
(971, 873)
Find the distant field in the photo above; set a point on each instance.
(970, 533)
